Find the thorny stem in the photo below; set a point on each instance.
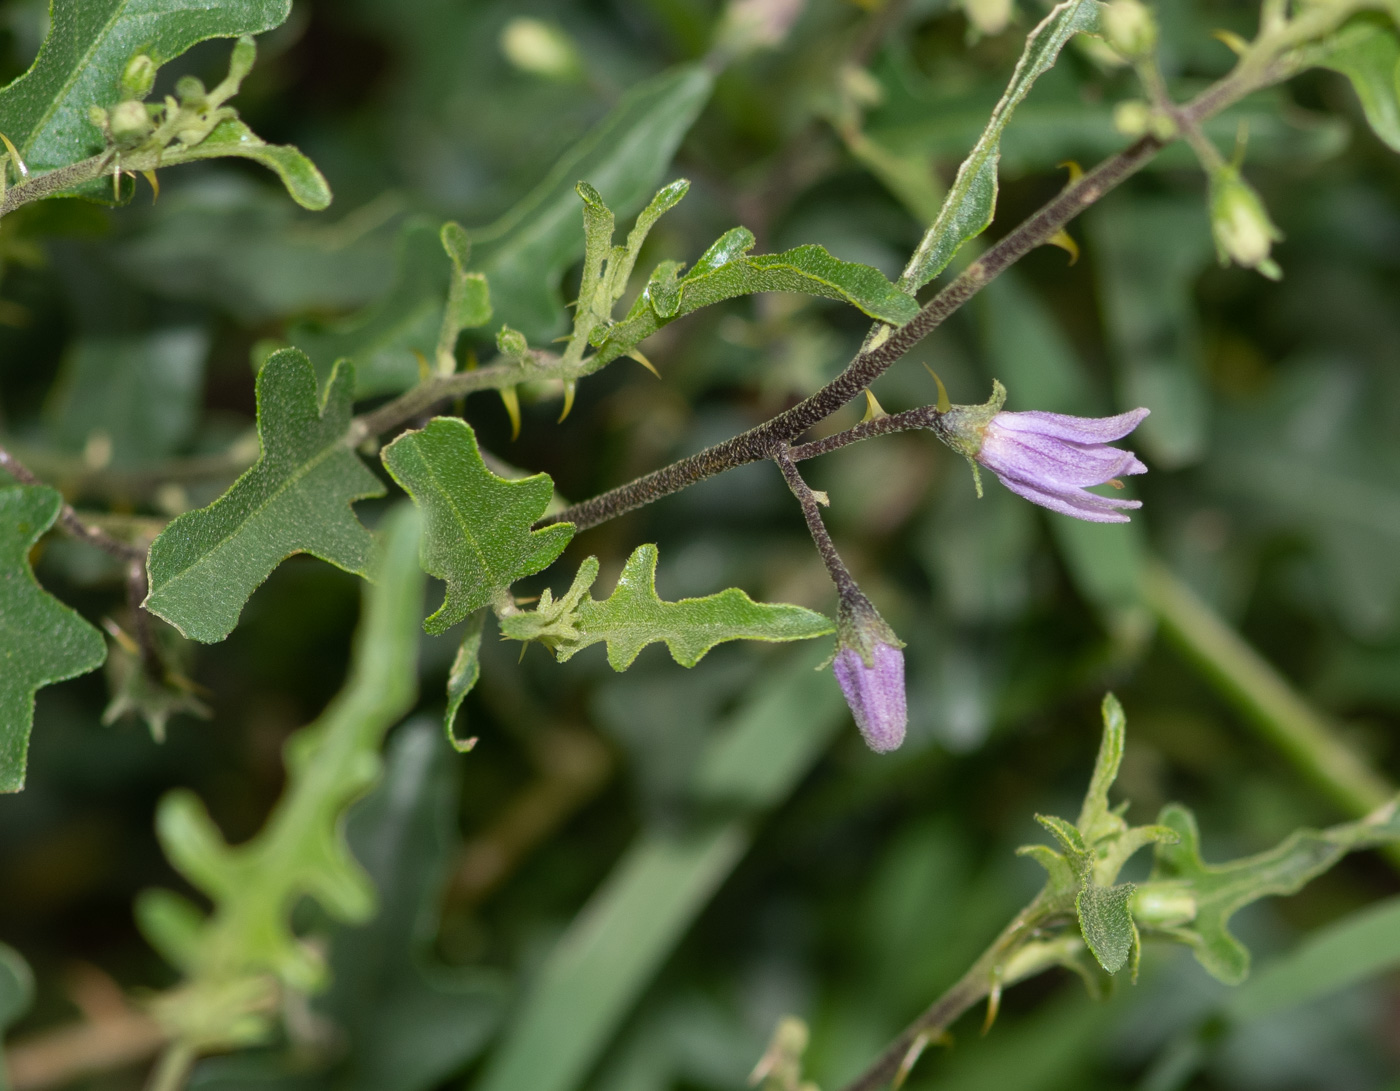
(886, 345)
(68, 518)
(136, 589)
(840, 574)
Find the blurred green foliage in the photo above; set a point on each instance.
(633, 877)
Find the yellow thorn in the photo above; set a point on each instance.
(566, 337)
(471, 360)
(150, 176)
(14, 156)
(512, 403)
(1233, 42)
(117, 184)
(993, 1006)
(1076, 172)
(119, 634)
(1062, 239)
(643, 361)
(943, 403)
(423, 370)
(873, 409)
(569, 388)
(821, 498)
(911, 1058)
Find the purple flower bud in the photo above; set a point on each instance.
(875, 694)
(870, 668)
(1048, 458)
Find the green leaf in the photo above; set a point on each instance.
(301, 850)
(1222, 890)
(295, 499)
(633, 616)
(1106, 923)
(45, 111)
(140, 393)
(477, 534)
(466, 669)
(41, 640)
(524, 254)
(1367, 52)
(727, 270)
(306, 185)
(968, 209)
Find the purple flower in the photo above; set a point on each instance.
(1048, 458)
(870, 668)
(875, 693)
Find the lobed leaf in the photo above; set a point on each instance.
(230, 954)
(41, 640)
(634, 616)
(466, 669)
(1221, 890)
(727, 270)
(968, 209)
(306, 185)
(477, 534)
(295, 499)
(45, 111)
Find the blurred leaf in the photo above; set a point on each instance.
(137, 692)
(141, 393)
(41, 640)
(1150, 252)
(477, 534)
(45, 111)
(1361, 945)
(466, 669)
(1367, 52)
(634, 616)
(727, 270)
(295, 499)
(1222, 890)
(387, 338)
(971, 202)
(304, 182)
(16, 994)
(621, 938)
(233, 958)
(524, 253)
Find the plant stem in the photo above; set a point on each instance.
(922, 417)
(1255, 687)
(841, 576)
(172, 1068)
(68, 518)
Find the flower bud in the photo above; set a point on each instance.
(1243, 231)
(1130, 28)
(542, 49)
(1131, 117)
(870, 670)
(1160, 906)
(988, 16)
(129, 122)
(139, 76)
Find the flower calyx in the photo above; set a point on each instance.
(869, 667)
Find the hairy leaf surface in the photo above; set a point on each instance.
(295, 499)
(634, 616)
(1367, 52)
(477, 534)
(45, 111)
(41, 640)
(968, 209)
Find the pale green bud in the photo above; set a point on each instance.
(1131, 117)
(245, 54)
(1130, 28)
(138, 77)
(512, 343)
(989, 16)
(1240, 224)
(1162, 907)
(542, 49)
(129, 122)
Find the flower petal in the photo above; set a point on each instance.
(1053, 462)
(1073, 429)
(1071, 501)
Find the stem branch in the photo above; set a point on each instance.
(68, 518)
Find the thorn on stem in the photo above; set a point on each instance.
(512, 403)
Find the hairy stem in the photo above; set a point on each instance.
(835, 566)
(886, 345)
(68, 518)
